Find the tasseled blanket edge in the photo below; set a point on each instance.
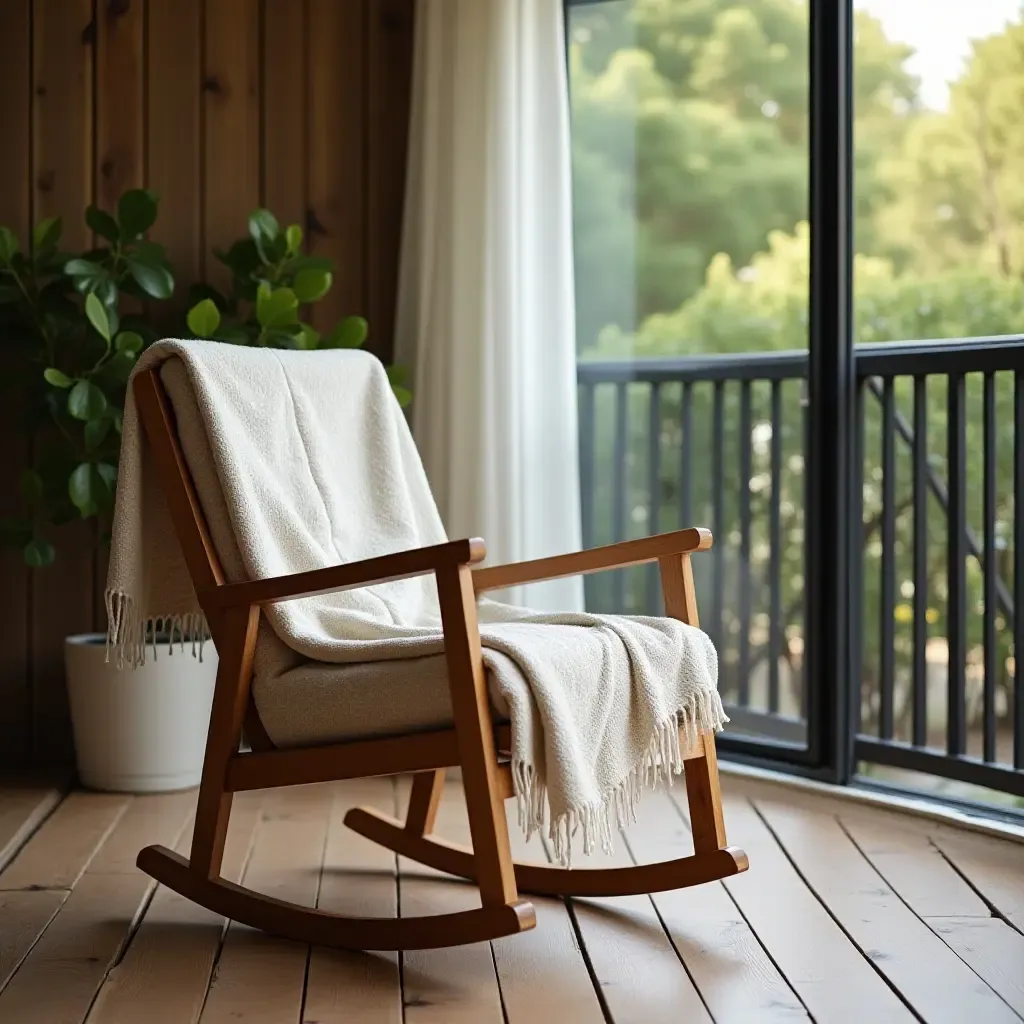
(674, 739)
(131, 630)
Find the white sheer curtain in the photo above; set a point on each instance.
(486, 307)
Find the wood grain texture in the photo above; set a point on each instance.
(174, 138)
(24, 805)
(359, 878)
(336, 222)
(16, 214)
(993, 949)
(734, 973)
(63, 35)
(165, 972)
(25, 916)
(231, 119)
(929, 975)
(56, 856)
(832, 978)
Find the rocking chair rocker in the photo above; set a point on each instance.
(475, 743)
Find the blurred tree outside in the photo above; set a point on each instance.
(690, 134)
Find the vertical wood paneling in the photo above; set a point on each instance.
(174, 136)
(285, 108)
(388, 95)
(64, 34)
(15, 213)
(120, 147)
(217, 105)
(336, 223)
(231, 111)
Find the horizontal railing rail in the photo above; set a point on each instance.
(639, 437)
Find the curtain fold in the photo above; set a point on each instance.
(486, 314)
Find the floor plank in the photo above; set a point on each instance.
(732, 971)
(827, 972)
(56, 856)
(359, 878)
(260, 978)
(23, 918)
(541, 973)
(992, 948)
(24, 805)
(457, 985)
(640, 976)
(165, 973)
(60, 976)
(928, 974)
(995, 867)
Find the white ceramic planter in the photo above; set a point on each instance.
(139, 730)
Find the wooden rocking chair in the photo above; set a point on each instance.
(233, 613)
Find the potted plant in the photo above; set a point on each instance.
(73, 326)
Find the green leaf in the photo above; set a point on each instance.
(263, 227)
(120, 366)
(82, 489)
(277, 307)
(155, 280)
(9, 293)
(397, 374)
(348, 333)
(307, 336)
(300, 263)
(79, 268)
(136, 212)
(8, 245)
(106, 291)
(54, 376)
(102, 223)
(404, 395)
(31, 484)
(293, 236)
(281, 337)
(203, 319)
(46, 234)
(96, 432)
(98, 317)
(38, 553)
(311, 285)
(242, 259)
(129, 341)
(86, 401)
(234, 334)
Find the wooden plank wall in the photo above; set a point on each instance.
(219, 106)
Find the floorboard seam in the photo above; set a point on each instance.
(839, 924)
(13, 851)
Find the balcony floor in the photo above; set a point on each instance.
(848, 913)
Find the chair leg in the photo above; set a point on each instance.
(230, 697)
(703, 792)
(495, 872)
(427, 789)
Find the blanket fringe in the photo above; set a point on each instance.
(673, 741)
(131, 631)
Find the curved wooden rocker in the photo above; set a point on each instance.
(233, 613)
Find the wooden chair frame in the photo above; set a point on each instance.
(233, 613)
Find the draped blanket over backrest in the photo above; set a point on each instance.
(313, 465)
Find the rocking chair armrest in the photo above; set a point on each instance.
(580, 563)
(348, 576)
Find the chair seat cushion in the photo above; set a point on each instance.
(315, 702)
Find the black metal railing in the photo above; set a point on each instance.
(720, 441)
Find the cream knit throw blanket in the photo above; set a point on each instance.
(316, 467)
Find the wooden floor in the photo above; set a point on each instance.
(848, 913)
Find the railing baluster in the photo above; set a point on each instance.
(718, 514)
(920, 724)
(857, 561)
(989, 620)
(654, 494)
(775, 624)
(746, 427)
(686, 461)
(587, 441)
(621, 495)
(956, 628)
(888, 584)
(1018, 570)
